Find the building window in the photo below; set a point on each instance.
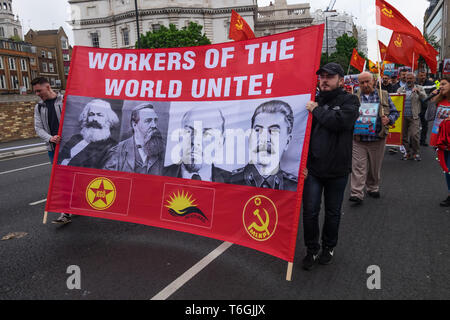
(12, 64)
(52, 82)
(156, 27)
(64, 44)
(1, 63)
(23, 65)
(66, 70)
(126, 37)
(43, 54)
(2, 32)
(2, 82)
(44, 67)
(66, 57)
(26, 82)
(95, 40)
(14, 82)
(16, 33)
(51, 67)
(49, 55)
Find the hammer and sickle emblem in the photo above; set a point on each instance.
(398, 43)
(387, 12)
(239, 24)
(264, 224)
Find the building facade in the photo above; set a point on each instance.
(56, 43)
(15, 68)
(112, 23)
(281, 17)
(10, 26)
(336, 25)
(47, 65)
(436, 24)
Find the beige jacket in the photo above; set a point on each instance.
(416, 104)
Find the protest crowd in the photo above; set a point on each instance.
(352, 117)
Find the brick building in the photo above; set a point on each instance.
(15, 68)
(55, 40)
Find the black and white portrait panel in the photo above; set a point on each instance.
(251, 142)
(143, 135)
(90, 130)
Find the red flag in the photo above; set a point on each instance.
(383, 50)
(427, 51)
(401, 50)
(357, 61)
(391, 18)
(239, 28)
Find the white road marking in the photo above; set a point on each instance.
(37, 202)
(24, 146)
(188, 275)
(18, 157)
(24, 168)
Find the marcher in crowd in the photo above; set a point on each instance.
(368, 150)
(329, 162)
(386, 84)
(411, 122)
(47, 115)
(428, 86)
(443, 99)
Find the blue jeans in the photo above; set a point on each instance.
(333, 192)
(51, 155)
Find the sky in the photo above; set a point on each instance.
(51, 14)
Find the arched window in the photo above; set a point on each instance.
(5, 6)
(2, 32)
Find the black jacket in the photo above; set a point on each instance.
(331, 142)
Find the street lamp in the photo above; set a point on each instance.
(326, 28)
(137, 23)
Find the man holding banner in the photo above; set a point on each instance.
(329, 162)
(368, 149)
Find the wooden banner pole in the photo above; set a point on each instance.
(289, 271)
(45, 217)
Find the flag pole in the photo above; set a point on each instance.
(412, 67)
(379, 73)
(289, 271)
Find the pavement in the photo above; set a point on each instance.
(405, 234)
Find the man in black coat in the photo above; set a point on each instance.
(329, 162)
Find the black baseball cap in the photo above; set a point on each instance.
(332, 69)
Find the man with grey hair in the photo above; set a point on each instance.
(88, 149)
(271, 134)
(143, 151)
(411, 121)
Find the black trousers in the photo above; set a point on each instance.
(333, 192)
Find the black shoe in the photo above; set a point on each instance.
(446, 202)
(309, 261)
(374, 194)
(356, 200)
(326, 257)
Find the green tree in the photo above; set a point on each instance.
(172, 37)
(344, 49)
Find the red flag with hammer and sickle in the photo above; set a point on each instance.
(239, 28)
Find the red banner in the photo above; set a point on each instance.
(209, 140)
